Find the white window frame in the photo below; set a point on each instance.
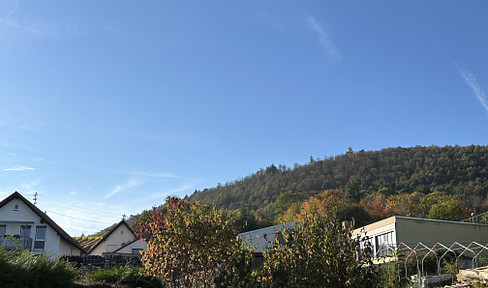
(40, 240)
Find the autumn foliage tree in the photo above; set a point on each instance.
(194, 245)
(328, 202)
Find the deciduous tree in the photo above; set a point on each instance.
(193, 244)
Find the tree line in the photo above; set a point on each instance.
(377, 183)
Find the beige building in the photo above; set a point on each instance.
(389, 233)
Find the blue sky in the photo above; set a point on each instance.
(107, 107)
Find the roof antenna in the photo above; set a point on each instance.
(35, 198)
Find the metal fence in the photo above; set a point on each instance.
(92, 262)
(466, 256)
(14, 242)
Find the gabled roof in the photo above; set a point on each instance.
(106, 235)
(43, 216)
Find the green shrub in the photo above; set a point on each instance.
(127, 275)
(24, 270)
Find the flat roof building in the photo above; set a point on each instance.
(386, 235)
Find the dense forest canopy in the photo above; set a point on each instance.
(451, 170)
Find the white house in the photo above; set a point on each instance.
(21, 222)
(121, 239)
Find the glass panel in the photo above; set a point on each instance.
(40, 238)
(3, 229)
(25, 231)
(41, 233)
(384, 244)
(39, 245)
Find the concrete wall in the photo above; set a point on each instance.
(414, 230)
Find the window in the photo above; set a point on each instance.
(136, 251)
(111, 248)
(40, 238)
(3, 229)
(16, 207)
(384, 244)
(25, 231)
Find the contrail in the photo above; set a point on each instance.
(474, 85)
(324, 38)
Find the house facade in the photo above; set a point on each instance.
(22, 223)
(386, 235)
(121, 239)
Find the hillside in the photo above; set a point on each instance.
(453, 170)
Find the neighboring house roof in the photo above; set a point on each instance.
(88, 241)
(43, 216)
(106, 235)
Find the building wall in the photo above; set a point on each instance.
(412, 230)
(121, 236)
(66, 248)
(139, 244)
(376, 228)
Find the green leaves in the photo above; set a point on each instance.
(319, 252)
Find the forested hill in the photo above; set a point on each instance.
(453, 170)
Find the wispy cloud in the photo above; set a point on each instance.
(122, 187)
(11, 24)
(18, 168)
(7, 9)
(324, 38)
(474, 85)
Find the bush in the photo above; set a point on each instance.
(126, 275)
(195, 245)
(22, 269)
(319, 252)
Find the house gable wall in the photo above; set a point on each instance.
(119, 237)
(16, 213)
(66, 248)
(138, 244)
